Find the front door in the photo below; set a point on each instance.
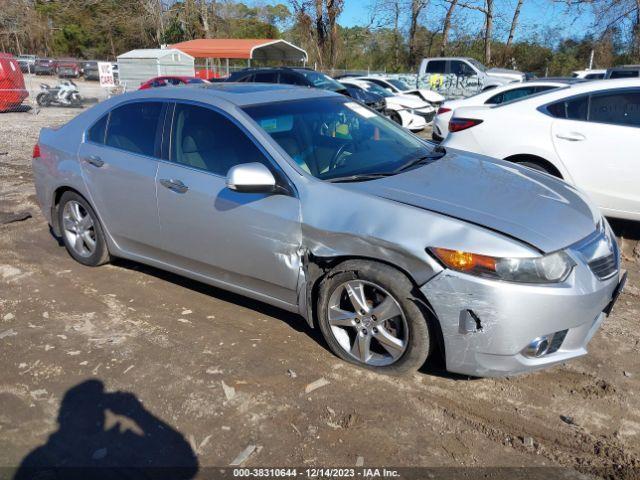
(119, 164)
(251, 240)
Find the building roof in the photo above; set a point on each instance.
(242, 48)
(152, 53)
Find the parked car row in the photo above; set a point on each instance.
(63, 68)
(411, 108)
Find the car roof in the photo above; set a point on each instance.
(240, 94)
(573, 89)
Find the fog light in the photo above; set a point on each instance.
(545, 344)
(538, 346)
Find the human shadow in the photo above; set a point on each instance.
(107, 436)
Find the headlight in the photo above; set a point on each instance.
(551, 268)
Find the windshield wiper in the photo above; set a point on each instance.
(360, 177)
(440, 152)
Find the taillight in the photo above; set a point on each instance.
(442, 110)
(36, 151)
(458, 124)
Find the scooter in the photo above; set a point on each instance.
(65, 94)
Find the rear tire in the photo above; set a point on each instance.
(82, 233)
(368, 317)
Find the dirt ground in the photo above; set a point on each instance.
(214, 374)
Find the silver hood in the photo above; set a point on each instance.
(530, 206)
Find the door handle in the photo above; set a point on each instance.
(174, 185)
(571, 136)
(94, 160)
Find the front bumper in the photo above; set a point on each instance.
(509, 316)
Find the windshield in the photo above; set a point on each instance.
(333, 138)
(320, 80)
(477, 64)
(377, 89)
(398, 84)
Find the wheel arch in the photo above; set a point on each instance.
(55, 203)
(317, 269)
(527, 157)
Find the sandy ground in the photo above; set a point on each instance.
(211, 373)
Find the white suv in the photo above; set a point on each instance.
(588, 134)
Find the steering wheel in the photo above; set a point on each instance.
(336, 156)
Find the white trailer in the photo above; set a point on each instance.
(138, 66)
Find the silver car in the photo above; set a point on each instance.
(396, 249)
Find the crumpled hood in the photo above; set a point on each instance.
(530, 206)
(408, 101)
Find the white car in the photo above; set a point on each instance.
(590, 74)
(495, 96)
(398, 87)
(406, 110)
(588, 134)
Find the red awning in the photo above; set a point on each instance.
(242, 48)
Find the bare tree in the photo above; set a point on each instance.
(446, 27)
(615, 14)
(514, 24)
(318, 22)
(488, 30)
(417, 6)
(512, 31)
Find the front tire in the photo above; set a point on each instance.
(82, 233)
(368, 317)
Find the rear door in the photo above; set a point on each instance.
(597, 137)
(119, 164)
(244, 239)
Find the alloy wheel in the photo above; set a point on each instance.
(367, 322)
(79, 229)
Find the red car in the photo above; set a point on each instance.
(12, 89)
(170, 80)
(68, 68)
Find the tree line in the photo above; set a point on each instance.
(393, 35)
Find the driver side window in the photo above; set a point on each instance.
(206, 140)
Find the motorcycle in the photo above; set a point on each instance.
(65, 94)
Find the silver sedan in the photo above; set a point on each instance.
(398, 250)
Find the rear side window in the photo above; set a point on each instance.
(291, 79)
(436, 66)
(515, 94)
(133, 127)
(266, 77)
(571, 109)
(207, 140)
(97, 131)
(625, 74)
(621, 108)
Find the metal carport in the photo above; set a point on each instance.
(243, 49)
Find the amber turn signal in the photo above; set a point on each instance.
(464, 261)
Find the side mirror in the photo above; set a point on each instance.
(251, 177)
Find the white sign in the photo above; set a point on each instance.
(105, 70)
